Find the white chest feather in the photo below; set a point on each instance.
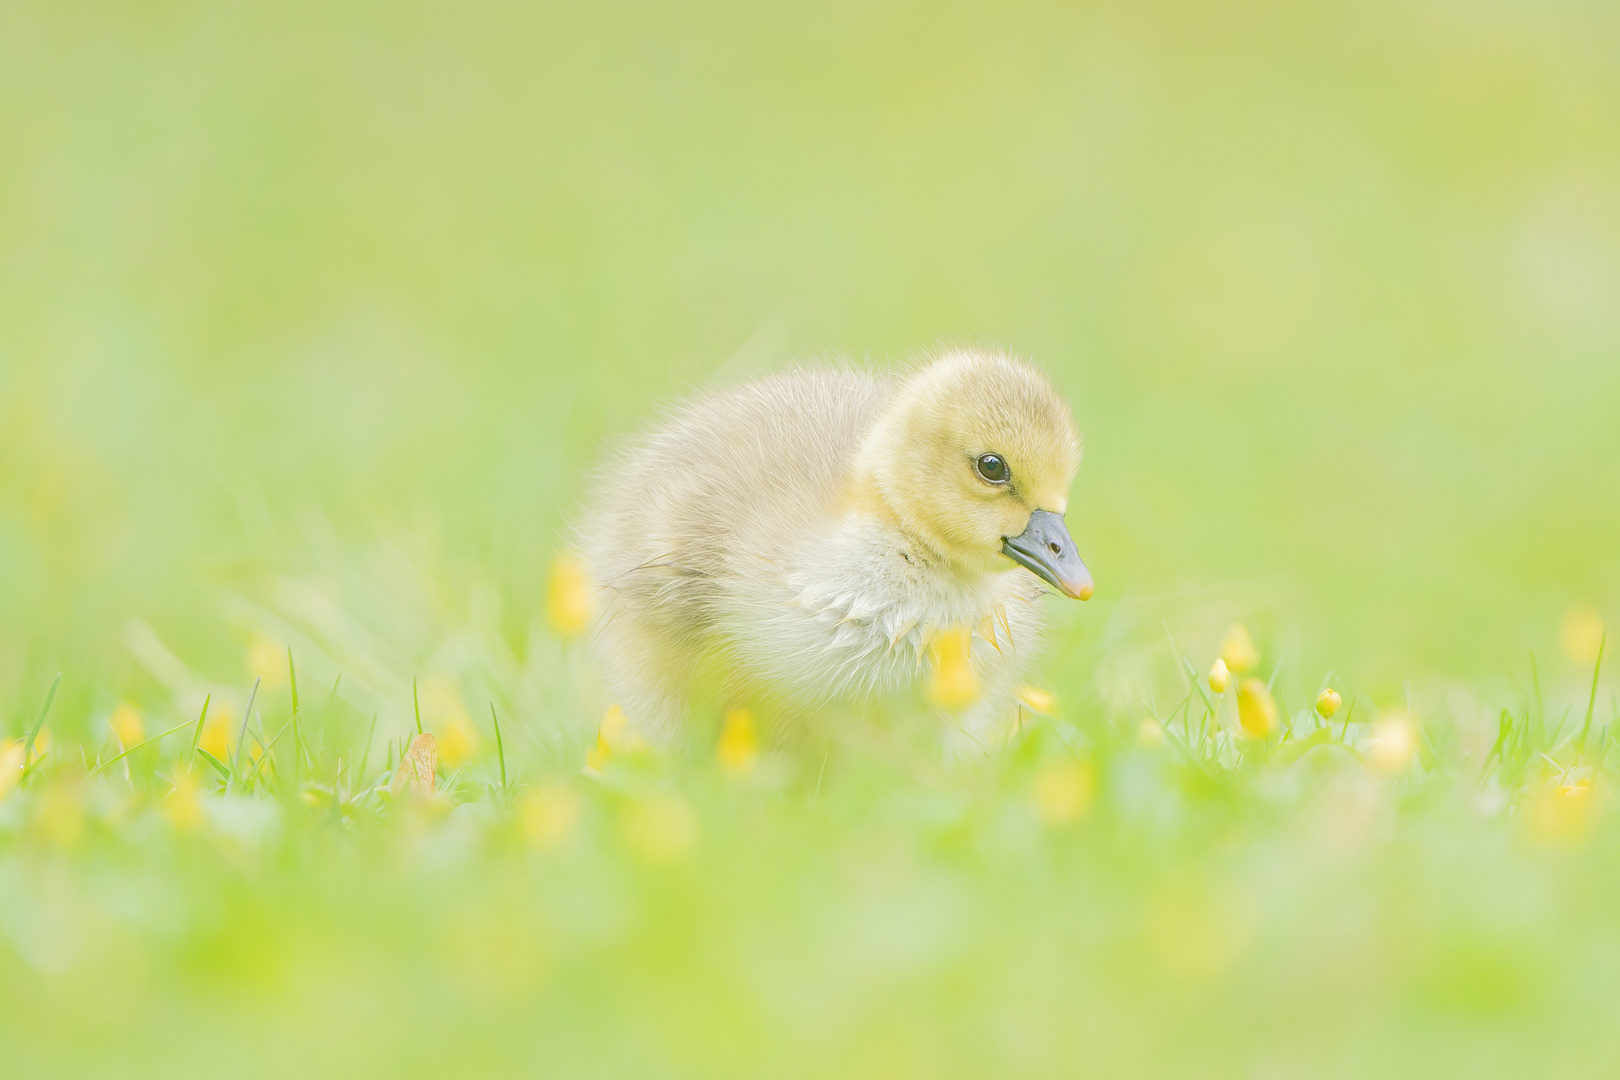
(853, 612)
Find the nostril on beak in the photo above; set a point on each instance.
(1057, 549)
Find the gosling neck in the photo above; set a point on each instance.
(868, 500)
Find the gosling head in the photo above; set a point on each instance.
(975, 455)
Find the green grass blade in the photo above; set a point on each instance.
(366, 757)
(500, 748)
(241, 738)
(202, 716)
(416, 702)
(39, 721)
(266, 755)
(224, 770)
(1504, 727)
(137, 746)
(1192, 672)
(1591, 702)
(320, 738)
(298, 741)
(292, 677)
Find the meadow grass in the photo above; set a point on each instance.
(314, 318)
(1114, 889)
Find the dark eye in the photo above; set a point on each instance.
(992, 468)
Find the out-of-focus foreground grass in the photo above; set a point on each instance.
(312, 318)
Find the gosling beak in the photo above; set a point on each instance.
(1046, 550)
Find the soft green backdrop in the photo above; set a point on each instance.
(1335, 289)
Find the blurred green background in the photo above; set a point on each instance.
(314, 316)
(1335, 288)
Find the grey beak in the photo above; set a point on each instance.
(1046, 550)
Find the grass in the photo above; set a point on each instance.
(314, 319)
(1110, 890)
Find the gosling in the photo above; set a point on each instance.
(815, 533)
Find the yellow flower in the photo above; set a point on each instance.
(739, 746)
(1219, 676)
(1238, 650)
(1062, 790)
(267, 662)
(615, 729)
(11, 765)
(42, 743)
(612, 737)
(459, 740)
(568, 600)
(218, 733)
(257, 763)
(126, 725)
(1257, 712)
(1582, 635)
(661, 829)
(1391, 743)
(443, 708)
(548, 814)
(1560, 814)
(1327, 703)
(182, 807)
(1039, 702)
(954, 684)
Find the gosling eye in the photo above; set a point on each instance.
(992, 468)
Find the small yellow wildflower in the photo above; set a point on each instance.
(661, 829)
(612, 737)
(458, 742)
(1576, 789)
(568, 600)
(459, 739)
(217, 733)
(126, 725)
(1238, 650)
(444, 709)
(738, 748)
(182, 807)
(954, 684)
(1327, 703)
(1149, 733)
(1062, 790)
(1257, 712)
(267, 662)
(256, 762)
(1582, 635)
(1040, 702)
(11, 765)
(547, 815)
(615, 729)
(1219, 676)
(42, 743)
(1391, 743)
(1561, 813)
